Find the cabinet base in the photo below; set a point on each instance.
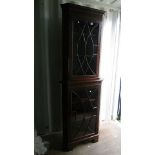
(69, 147)
(94, 140)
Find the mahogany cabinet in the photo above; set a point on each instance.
(81, 27)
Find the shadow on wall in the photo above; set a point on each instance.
(47, 66)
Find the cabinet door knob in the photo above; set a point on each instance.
(94, 108)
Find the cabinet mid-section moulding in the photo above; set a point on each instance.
(81, 27)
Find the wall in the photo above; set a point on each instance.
(47, 66)
(41, 117)
(55, 60)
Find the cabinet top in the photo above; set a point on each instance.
(82, 8)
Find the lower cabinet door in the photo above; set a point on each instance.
(85, 111)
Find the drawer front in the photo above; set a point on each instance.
(84, 109)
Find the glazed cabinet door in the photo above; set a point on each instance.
(84, 111)
(85, 47)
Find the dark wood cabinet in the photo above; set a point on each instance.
(81, 83)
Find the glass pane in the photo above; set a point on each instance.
(84, 111)
(85, 47)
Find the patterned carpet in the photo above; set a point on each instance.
(109, 142)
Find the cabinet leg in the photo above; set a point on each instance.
(68, 148)
(95, 140)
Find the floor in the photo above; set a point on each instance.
(109, 142)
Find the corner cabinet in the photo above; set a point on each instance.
(81, 27)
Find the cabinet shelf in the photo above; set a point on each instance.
(75, 101)
(85, 116)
